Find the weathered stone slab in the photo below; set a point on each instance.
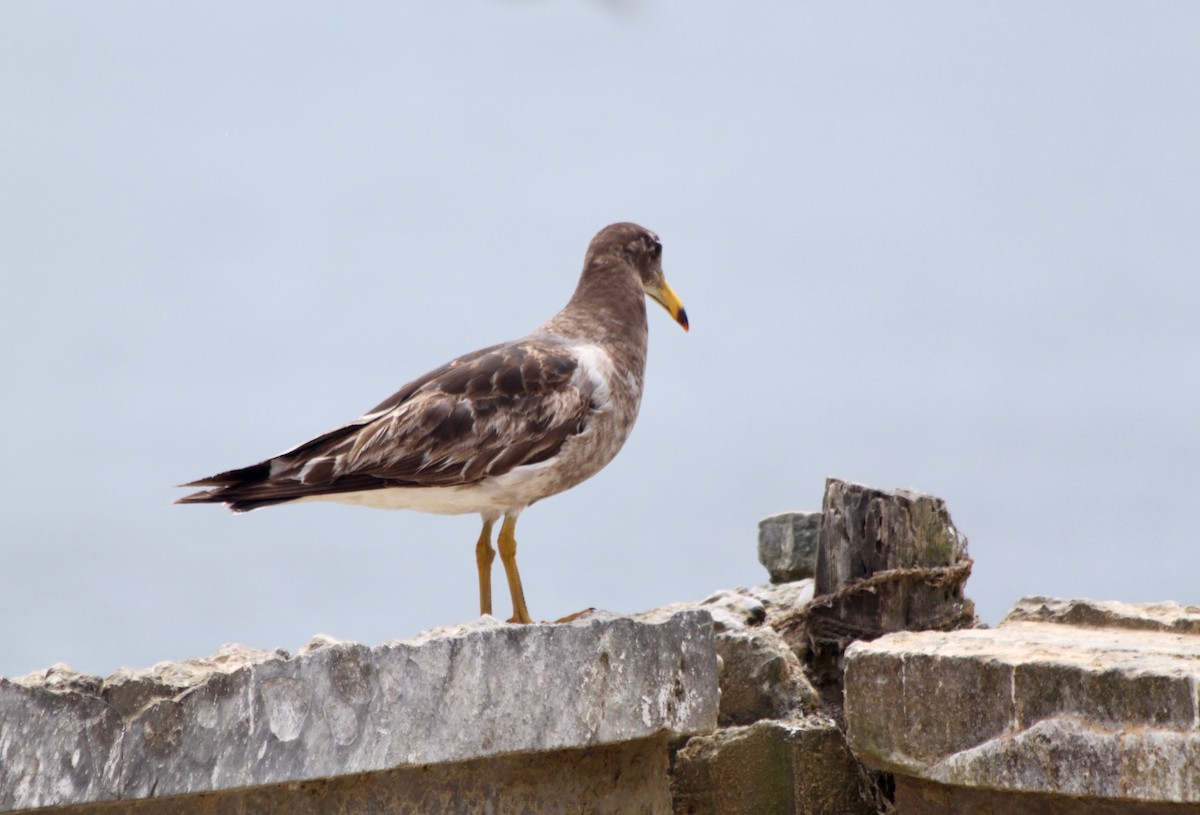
(1166, 616)
(469, 692)
(757, 605)
(629, 778)
(787, 545)
(916, 797)
(1074, 710)
(792, 767)
(760, 676)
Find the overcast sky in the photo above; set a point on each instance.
(946, 246)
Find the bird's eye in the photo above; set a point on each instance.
(656, 250)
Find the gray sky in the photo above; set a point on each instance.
(946, 246)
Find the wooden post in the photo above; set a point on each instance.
(887, 560)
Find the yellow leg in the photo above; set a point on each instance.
(484, 555)
(508, 556)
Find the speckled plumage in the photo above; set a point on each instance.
(555, 406)
(493, 431)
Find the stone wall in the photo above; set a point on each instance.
(1067, 705)
(857, 681)
(480, 694)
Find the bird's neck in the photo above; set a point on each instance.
(608, 306)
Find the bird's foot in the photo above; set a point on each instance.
(575, 616)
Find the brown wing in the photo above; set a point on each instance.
(482, 414)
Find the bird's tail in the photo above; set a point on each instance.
(276, 481)
(242, 490)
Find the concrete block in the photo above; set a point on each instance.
(247, 718)
(1167, 616)
(792, 767)
(916, 797)
(1100, 711)
(629, 778)
(761, 678)
(787, 545)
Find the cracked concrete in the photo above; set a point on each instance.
(245, 717)
(1106, 709)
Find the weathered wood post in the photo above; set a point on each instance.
(887, 560)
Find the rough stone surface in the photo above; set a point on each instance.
(916, 797)
(1107, 614)
(251, 718)
(622, 779)
(787, 545)
(794, 767)
(1074, 710)
(761, 677)
(128, 691)
(756, 606)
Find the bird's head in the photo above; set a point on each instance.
(643, 250)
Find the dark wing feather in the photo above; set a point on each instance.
(481, 415)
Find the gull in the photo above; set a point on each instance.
(496, 430)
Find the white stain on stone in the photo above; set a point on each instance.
(391, 684)
(286, 702)
(342, 721)
(205, 712)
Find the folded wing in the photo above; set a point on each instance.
(481, 415)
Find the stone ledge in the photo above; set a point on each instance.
(1105, 712)
(1168, 616)
(629, 778)
(247, 718)
(915, 797)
